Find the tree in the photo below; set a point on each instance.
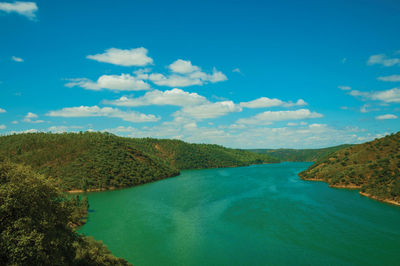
(35, 223)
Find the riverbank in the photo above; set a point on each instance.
(381, 200)
(354, 187)
(79, 191)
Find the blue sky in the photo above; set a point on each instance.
(244, 74)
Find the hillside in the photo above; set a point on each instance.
(372, 167)
(300, 155)
(82, 161)
(35, 224)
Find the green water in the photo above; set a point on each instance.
(257, 215)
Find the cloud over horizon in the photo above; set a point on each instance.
(268, 117)
(95, 111)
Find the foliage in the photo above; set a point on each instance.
(373, 167)
(34, 224)
(300, 155)
(102, 160)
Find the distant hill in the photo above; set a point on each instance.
(90, 161)
(300, 155)
(372, 167)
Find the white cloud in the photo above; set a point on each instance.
(392, 78)
(123, 82)
(236, 70)
(264, 102)
(32, 130)
(31, 115)
(2, 110)
(208, 110)
(268, 117)
(387, 116)
(184, 74)
(27, 9)
(183, 67)
(31, 118)
(3, 127)
(387, 96)
(344, 88)
(17, 59)
(292, 124)
(174, 80)
(382, 59)
(61, 129)
(129, 57)
(240, 136)
(175, 97)
(356, 93)
(95, 111)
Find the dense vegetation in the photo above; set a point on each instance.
(35, 223)
(300, 155)
(102, 160)
(184, 155)
(373, 167)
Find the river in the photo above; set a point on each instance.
(256, 215)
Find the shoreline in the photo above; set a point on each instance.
(78, 191)
(381, 200)
(388, 201)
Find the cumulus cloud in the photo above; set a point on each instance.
(3, 127)
(268, 117)
(385, 117)
(128, 57)
(183, 66)
(387, 96)
(174, 80)
(31, 118)
(175, 97)
(392, 78)
(123, 82)
(183, 74)
(2, 110)
(384, 60)
(27, 9)
(208, 110)
(17, 59)
(264, 102)
(95, 111)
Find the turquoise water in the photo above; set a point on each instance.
(257, 215)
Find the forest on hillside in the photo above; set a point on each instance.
(93, 160)
(373, 167)
(300, 155)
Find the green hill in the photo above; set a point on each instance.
(372, 167)
(300, 155)
(81, 161)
